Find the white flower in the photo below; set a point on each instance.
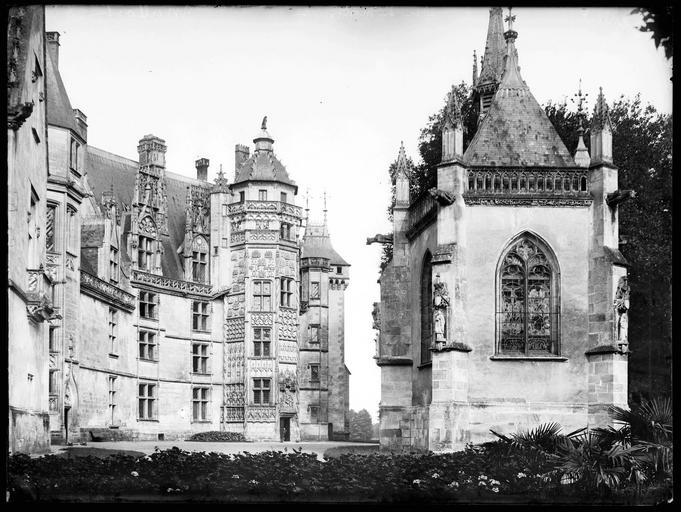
(254, 482)
(134, 473)
(482, 482)
(521, 475)
(494, 482)
(482, 477)
(417, 482)
(495, 489)
(236, 477)
(435, 475)
(453, 485)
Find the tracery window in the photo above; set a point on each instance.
(528, 313)
(200, 260)
(426, 307)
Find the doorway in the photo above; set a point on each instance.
(285, 429)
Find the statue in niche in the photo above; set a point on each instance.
(440, 305)
(621, 306)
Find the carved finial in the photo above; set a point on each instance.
(510, 18)
(264, 123)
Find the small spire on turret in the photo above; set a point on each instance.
(475, 69)
(601, 131)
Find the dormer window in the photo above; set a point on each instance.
(75, 156)
(200, 260)
(144, 253)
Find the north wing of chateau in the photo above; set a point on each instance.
(144, 304)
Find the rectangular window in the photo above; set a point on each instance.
(314, 333)
(113, 264)
(200, 315)
(147, 345)
(52, 339)
(147, 305)
(200, 357)
(314, 290)
(144, 253)
(75, 155)
(113, 321)
(52, 383)
(314, 372)
(262, 296)
(112, 399)
(200, 403)
(50, 232)
(261, 391)
(72, 230)
(285, 231)
(33, 231)
(283, 197)
(225, 242)
(199, 265)
(147, 401)
(262, 195)
(339, 270)
(242, 196)
(314, 413)
(286, 293)
(262, 337)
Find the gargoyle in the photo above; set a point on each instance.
(17, 114)
(380, 239)
(619, 196)
(443, 197)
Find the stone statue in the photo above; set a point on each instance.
(440, 305)
(621, 306)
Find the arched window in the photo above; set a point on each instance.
(528, 307)
(426, 307)
(199, 260)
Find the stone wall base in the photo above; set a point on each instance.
(403, 428)
(29, 432)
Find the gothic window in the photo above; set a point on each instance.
(314, 372)
(528, 311)
(200, 403)
(426, 307)
(286, 292)
(200, 358)
(261, 391)
(242, 196)
(147, 305)
(50, 234)
(200, 316)
(200, 260)
(52, 383)
(262, 337)
(146, 398)
(52, 339)
(147, 345)
(113, 264)
(262, 296)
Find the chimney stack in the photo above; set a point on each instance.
(53, 47)
(241, 154)
(202, 169)
(81, 122)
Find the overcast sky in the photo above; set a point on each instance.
(341, 88)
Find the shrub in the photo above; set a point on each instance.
(217, 436)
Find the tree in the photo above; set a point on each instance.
(660, 21)
(360, 425)
(642, 150)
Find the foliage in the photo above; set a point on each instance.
(360, 425)
(217, 436)
(660, 21)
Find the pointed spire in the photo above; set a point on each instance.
(511, 78)
(402, 175)
(492, 63)
(453, 116)
(403, 170)
(601, 131)
(601, 118)
(475, 69)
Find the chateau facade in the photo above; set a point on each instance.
(153, 305)
(505, 303)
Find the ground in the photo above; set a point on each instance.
(146, 447)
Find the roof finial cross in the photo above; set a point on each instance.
(510, 18)
(264, 123)
(581, 98)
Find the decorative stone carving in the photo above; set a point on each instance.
(473, 200)
(263, 414)
(261, 367)
(265, 319)
(234, 414)
(288, 351)
(380, 239)
(442, 197)
(234, 395)
(170, 284)
(619, 196)
(376, 315)
(440, 306)
(289, 324)
(621, 306)
(147, 227)
(234, 330)
(105, 291)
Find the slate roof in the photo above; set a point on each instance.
(516, 131)
(59, 110)
(263, 164)
(495, 49)
(105, 169)
(317, 244)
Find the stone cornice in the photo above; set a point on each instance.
(393, 361)
(107, 292)
(508, 200)
(605, 349)
(172, 286)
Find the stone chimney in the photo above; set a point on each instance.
(81, 121)
(202, 169)
(53, 47)
(241, 154)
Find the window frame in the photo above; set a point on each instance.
(148, 301)
(200, 316)
(259, 390)
(145, 252)
(150, 344)
(260, 298)
(315, 290)
(200, 356)
(112, 316)
(114, 265)
(112, 399)
(262, 345)
(315, 368)
(203, 403)
(286, 287)
(149, 399)
(262, 194)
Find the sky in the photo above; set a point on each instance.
(341, 87)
